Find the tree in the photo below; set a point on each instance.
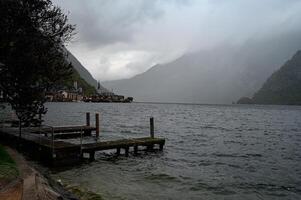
(32, 55)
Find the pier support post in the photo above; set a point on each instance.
(97, 124)
(135, 149)
(151, 120)
(88, 119)
(126, 151)
(161, 147)
(92, 156)
(118, 152)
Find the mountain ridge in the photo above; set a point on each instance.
(220, 75)
(84, 74)
(283, 86)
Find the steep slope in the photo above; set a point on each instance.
(219, 75)
(82, 75)
(283, 86)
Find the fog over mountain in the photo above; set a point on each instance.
(219, 75)
(204, 51)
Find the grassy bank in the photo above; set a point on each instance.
(8, 167)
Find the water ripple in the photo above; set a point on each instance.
(211, 152)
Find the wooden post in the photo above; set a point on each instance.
(88, 119)
(118, 151)
(135, 149)
(97, 124)
(126, 151)
(161, 146)
(92, 156)
(151, 120)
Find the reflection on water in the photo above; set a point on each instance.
(211, 152)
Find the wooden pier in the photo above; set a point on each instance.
(125, 144)
(42, 142)
(66, 132)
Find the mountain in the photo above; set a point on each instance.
(220, 75)
(283, 86)
(82, 76)
(81, 83)
(83, 72)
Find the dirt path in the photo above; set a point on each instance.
(12, 190)
(35, 187)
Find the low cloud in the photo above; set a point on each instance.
(118, 39)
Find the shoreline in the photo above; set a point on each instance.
(38, 185)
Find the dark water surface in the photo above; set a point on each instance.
(211, 152)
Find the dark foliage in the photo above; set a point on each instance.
(87, 88)
(32, 35)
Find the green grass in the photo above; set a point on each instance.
(8, 167)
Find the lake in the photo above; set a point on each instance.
(211, 151)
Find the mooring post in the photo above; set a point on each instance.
(151, 120)
(88, 119)
(97, 124)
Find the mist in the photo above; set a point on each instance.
(206, 51)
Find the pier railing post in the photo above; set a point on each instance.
(151, 120)
(88, 119)
(97, 124)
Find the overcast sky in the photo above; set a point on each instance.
(120, 38)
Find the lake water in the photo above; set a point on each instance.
(211, 151)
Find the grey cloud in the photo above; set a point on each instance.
(166, 27)
(104, 22)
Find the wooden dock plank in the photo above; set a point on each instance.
(66, 132)
(47, 142)
(35, 138)
(123, 143)
(61, 151)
